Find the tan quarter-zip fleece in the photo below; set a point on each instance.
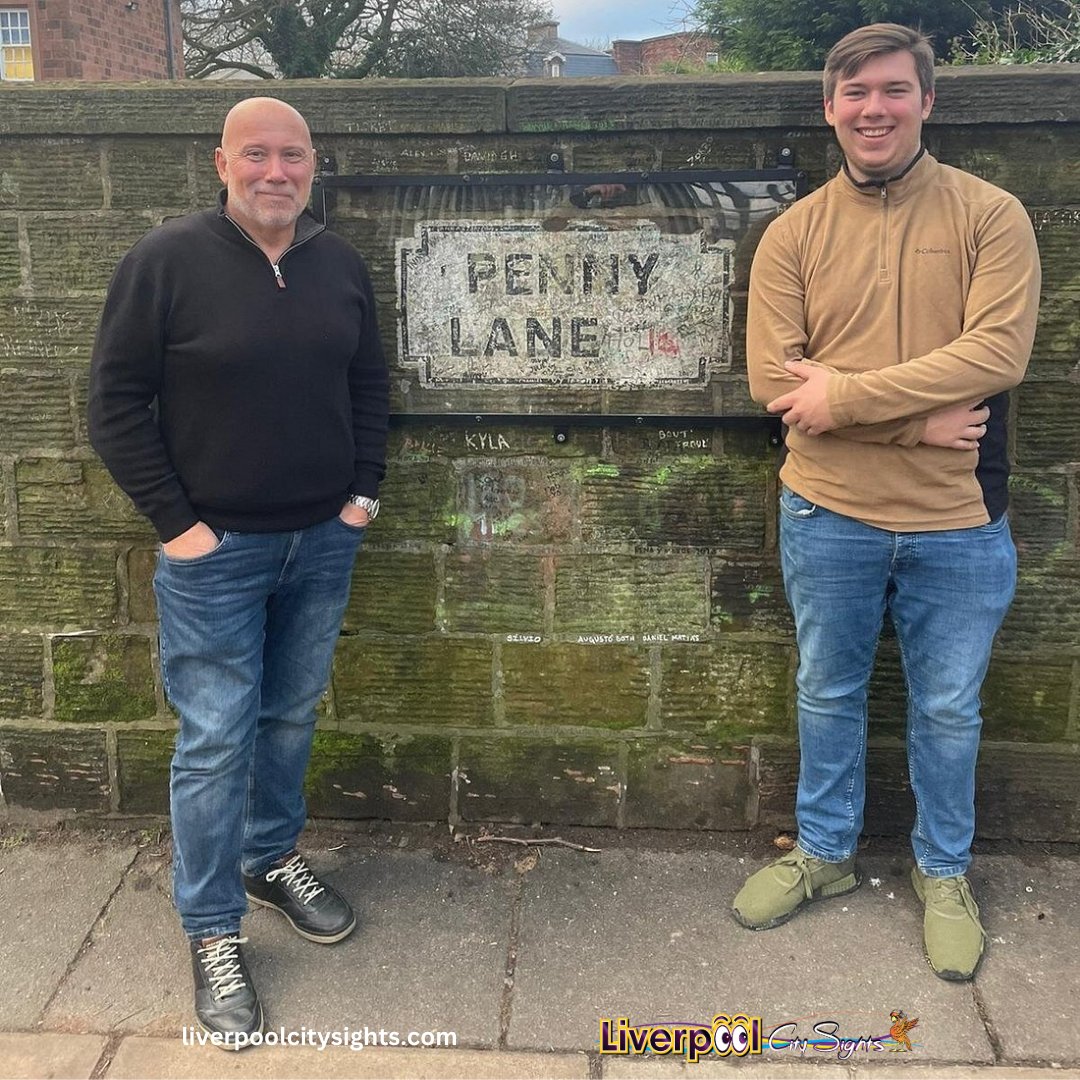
(917, 295)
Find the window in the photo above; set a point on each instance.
(553, 64)
(16, 60)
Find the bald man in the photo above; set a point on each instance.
(239, 396)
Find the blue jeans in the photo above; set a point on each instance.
(947, 593)
(247, 638)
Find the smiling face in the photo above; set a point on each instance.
(878, 114)
(267, 163)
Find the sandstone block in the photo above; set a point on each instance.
(575, 684)
(400, 778)
(557, 781)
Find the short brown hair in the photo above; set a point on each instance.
(847, 57)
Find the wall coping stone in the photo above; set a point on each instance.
(1022, 94)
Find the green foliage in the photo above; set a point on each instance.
(1029, 33)
(794, 35)
(298, 49)
(694, 67)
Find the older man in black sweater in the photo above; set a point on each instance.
(239, 395)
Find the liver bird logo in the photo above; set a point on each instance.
(901, 1025)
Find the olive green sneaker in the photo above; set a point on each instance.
(772, 895)
(953, 936)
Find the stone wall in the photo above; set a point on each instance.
(612, 647)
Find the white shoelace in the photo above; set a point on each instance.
(222, 965)
(296, 875)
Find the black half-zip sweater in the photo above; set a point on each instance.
(220, 394)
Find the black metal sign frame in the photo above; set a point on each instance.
(328, 181)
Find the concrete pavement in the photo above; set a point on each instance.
(520, 952)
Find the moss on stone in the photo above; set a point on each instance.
(143, 759)
(371, 776)
(103, 677)
(610, 685)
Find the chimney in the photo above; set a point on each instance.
(627, 56)
(542, 32)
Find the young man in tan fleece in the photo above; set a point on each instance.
(890, 312)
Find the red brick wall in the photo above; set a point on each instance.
(106, 42)
(645, 57)
(627, 56)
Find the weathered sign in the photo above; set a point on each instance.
(482, 302)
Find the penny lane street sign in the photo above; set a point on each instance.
(484, 302)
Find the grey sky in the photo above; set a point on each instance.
(589, 21)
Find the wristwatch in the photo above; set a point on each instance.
(370, 505)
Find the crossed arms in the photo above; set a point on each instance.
(931, 399)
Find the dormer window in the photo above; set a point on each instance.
(553, 64)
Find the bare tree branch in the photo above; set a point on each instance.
(357, 38)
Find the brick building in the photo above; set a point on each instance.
(91, 40)
(646, 57)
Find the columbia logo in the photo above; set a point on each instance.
(933, 251)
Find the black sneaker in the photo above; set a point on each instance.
(316, 911)
(225, 1000)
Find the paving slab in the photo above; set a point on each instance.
(1030, 979)
(134, 975)
(628, 932)
(648, 936)
(971, 1072)
(418, 920)
(170, 1059)
(753, 1069)
(428, 953)
(31, 1057)
(647, 1068)
(50, 896)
